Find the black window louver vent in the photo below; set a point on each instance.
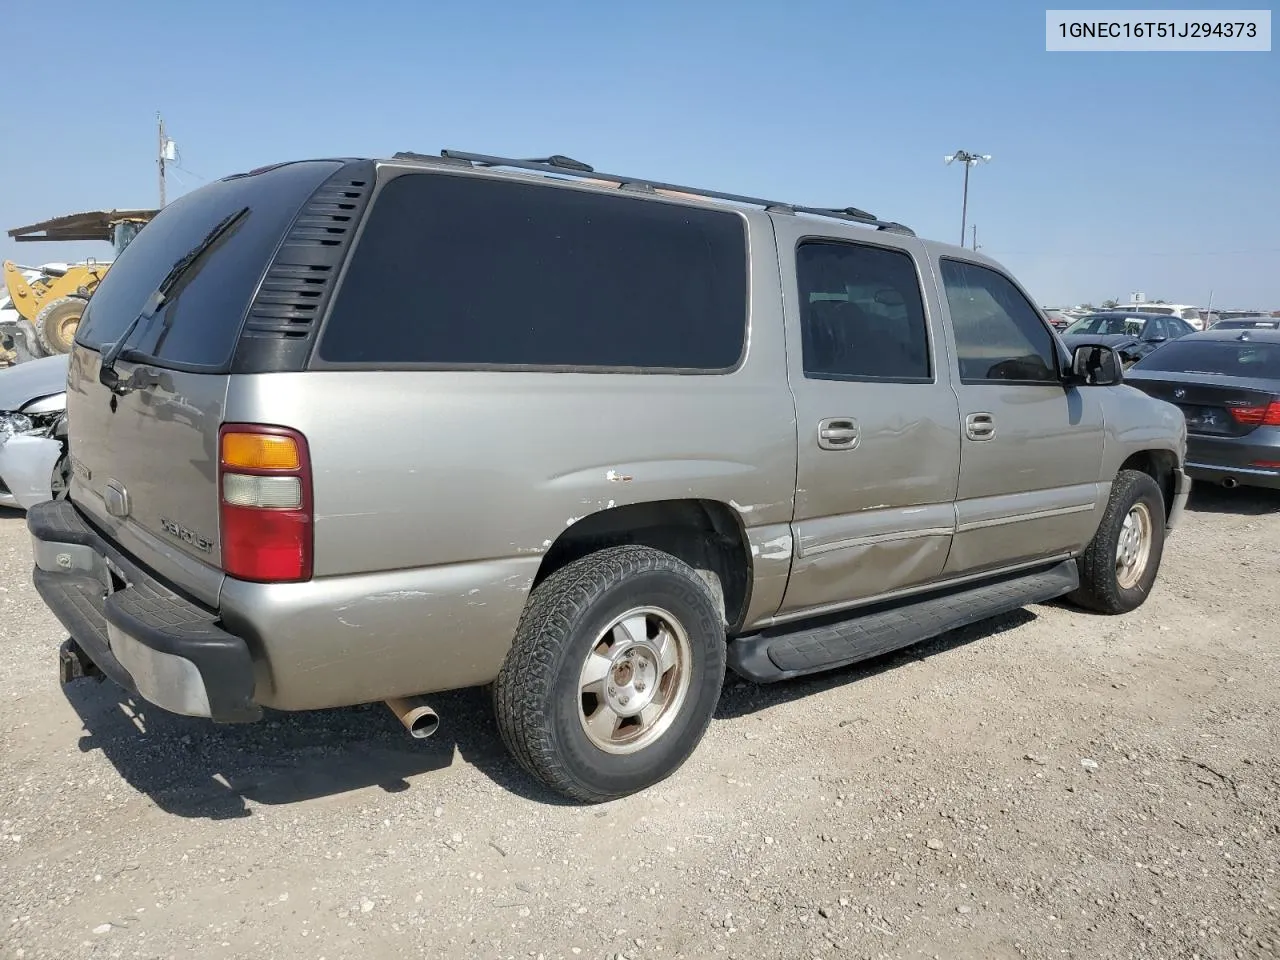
(294, 291)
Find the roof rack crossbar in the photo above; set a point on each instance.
(567, 166)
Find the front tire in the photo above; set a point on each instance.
(614, 674)
(1120, 564)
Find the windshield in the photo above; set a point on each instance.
(1228, 358)
(199, 323)
(1107, 326)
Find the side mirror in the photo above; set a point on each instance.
(1096, 365)
(1156, 339)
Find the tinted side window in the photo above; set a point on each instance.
(998, 334)
(861, 313)
(467, 271)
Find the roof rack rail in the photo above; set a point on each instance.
(567, 166)
(428, 158)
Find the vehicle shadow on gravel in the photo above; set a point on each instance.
(192, 768)
(1242, 501)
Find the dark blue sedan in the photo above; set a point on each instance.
(1132, 334)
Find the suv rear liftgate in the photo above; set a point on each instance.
(226, 280)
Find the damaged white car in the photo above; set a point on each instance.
(34, 466)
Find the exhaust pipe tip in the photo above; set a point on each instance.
(416, 717)
(1230, 482)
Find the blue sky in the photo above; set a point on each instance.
(1112, 172)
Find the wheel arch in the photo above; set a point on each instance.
(709, 535)
(1160, 466)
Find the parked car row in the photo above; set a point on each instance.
(1226, 381)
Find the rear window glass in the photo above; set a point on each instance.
(1230, 358)
(200, 322)
(465, 271)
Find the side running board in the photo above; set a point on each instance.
(780, 653)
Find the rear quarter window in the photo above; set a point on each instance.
(454, 271)
(199, 324)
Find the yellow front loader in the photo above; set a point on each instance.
(50, 304)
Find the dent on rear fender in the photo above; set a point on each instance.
(339, 641)
(26, 466)
(772, 547)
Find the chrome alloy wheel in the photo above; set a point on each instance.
(1133, 548)
(634, 680)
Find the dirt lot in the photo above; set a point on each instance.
(1053, 784)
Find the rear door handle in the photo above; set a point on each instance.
(838, 433)
(979, 426)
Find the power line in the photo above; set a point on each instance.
(1133, 253)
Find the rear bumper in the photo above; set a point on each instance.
(1231, 476)
(140, 633)
(1228, 459)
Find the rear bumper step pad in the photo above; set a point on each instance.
(144, 636)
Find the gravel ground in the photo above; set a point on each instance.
(1052, 784)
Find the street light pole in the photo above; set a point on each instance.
(160, 154)
(968, 159)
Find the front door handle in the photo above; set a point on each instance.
(838, 433)
(979, 426)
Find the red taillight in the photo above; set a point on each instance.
(1259, 416)
(264, 493)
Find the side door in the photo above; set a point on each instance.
(878, 424)
(1031, 455)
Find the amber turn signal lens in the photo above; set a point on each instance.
(259, 451)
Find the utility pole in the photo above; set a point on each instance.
(160, 151)
(974, 228)
(969, 160)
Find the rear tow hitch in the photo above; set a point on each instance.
(73, 664)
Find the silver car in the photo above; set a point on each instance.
(357, 431)
(33, 462)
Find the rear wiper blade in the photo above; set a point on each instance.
(107, 375)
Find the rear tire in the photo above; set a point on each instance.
(614, 674)
(57, 322)
(1120, 564)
